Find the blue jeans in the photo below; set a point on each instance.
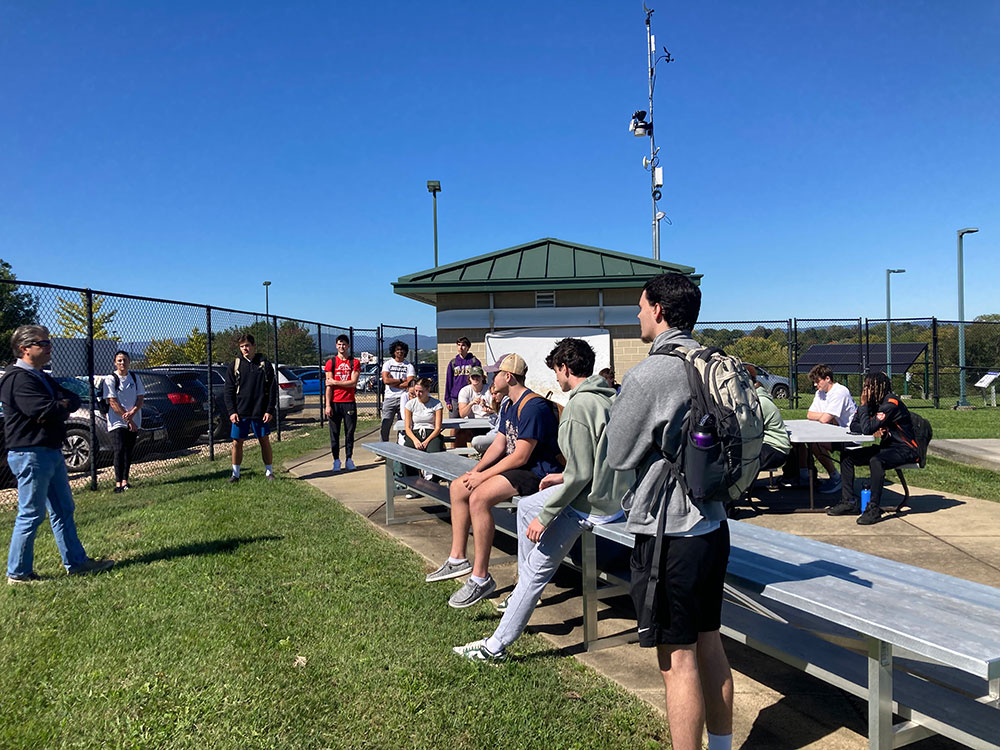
(536, 563)
(42, 484)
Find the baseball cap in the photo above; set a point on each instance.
(513, 363)
(477, 371)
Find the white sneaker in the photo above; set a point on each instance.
(349, 465)
(336, 465)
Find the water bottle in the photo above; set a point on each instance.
(703, 435)
(866, 494)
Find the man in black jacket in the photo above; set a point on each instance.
(35, 411)
(883, 415)
(251, 394)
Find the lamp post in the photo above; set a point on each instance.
(434, 187)
(888, 321)
(640, 127)
(962, 400)
(267, 308)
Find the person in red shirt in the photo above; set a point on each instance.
(341, 404)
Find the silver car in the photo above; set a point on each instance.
(776, 385)
(290, 395)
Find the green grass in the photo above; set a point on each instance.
(947, 423)
(264, 615)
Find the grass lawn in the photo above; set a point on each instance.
(947, 423)
(262, 615)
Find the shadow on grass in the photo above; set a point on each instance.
(329, 472)
(215, 547)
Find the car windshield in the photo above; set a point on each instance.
(76, 386)
(287, 373)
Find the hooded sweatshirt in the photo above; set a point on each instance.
(646, 422)
(588, 485)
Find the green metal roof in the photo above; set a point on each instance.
(544, 264)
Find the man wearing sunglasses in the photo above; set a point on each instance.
(35, 411)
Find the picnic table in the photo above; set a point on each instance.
(811, 431)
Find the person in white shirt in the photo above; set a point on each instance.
(124, 393)
(397, 375)
(832, 404)
(474, 402)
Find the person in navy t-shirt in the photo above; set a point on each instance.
(523, 451)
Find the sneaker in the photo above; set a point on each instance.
(233, 479)
(477, 651)
(90, 566)
(119, 490)
(872, 514)
(336, 465)
(380, 459)
(126, 487)
(349, 465)
(471, 593)
(31, 577)
(450, 570)
(829, 486)
(269, 477)
(844, 508)
(411, 495)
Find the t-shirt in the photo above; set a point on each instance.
(127, 393)
(468, 395)
(342, 369)
(838, 402)
(423, 414)
(397, 371)
(537, 422)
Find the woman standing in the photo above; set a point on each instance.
(124, 393)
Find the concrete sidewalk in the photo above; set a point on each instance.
(776, 706)
(983, 452)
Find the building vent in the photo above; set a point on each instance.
(545, 299)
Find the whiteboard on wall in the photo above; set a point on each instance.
(534, 344)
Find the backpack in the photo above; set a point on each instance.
(102, 403)
(922, 433)
(721, 388)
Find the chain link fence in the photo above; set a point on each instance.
(766, 344)
(181, 352)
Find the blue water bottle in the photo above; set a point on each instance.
(866, 494)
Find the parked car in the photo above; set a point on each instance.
(369, 378)
(290, 395)
(184, 405)
(6, 475)
(183, 374)
(77, 448)
(313, 379)
(776, 385)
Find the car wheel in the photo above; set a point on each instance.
(780, 391)
(76, 450)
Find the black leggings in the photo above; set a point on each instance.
(346, 412)
(879, 458)
(123, 440)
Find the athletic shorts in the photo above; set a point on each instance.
(523, 481)
(688, 599)
(241, 430)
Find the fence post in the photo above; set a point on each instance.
(867, 352)
(322, 379)
(277, 408)
(95, 448)
(793, 357)
(861, 357)
(937, 364)
(378, 371)
(211, 388)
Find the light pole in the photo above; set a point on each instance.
(640, 127)
(962, 400)
(888, 321)
(267, 308)
(434, 187)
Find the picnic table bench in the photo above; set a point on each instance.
(922, 645)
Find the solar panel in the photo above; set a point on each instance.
(849, 358)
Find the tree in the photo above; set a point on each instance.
(296, 345)
(760, 351)
(17, 308)
(72, 316)
(164, 352)
(196, 347)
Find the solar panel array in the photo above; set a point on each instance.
(849, 358)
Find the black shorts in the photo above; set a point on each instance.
(688, 599)
(523, 481)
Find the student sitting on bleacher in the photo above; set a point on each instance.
(883, 415)
(523, 451)
(585, 493)
(776, 447)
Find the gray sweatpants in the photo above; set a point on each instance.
(536, 564)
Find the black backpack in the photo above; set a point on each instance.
(102, 403)
(922, 433)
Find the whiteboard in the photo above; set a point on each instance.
(534, 344)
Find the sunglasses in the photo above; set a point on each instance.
(40, 342)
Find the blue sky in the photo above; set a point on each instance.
(190, 150)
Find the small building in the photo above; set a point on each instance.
(548, 284)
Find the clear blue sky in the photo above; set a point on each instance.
(191, 150)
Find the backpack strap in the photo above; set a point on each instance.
(236, 375)
(525, 400)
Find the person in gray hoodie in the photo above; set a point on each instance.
(646, 424)
(585, 493)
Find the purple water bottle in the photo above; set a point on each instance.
(703, 434)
